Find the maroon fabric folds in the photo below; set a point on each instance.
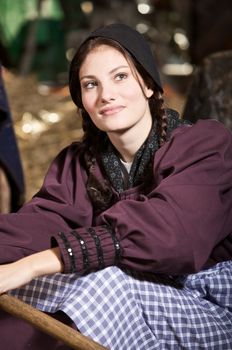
(19, 335)
(183, 225)
(179, 227)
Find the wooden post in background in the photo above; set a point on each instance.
(5, 194)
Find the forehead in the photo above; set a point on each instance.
(104, 57)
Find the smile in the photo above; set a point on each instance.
(111, 110)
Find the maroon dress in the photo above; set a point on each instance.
(181, 226)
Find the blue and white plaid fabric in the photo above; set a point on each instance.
(126, 310)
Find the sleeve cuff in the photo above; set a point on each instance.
(88, 249)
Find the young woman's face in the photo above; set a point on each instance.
(111, 92)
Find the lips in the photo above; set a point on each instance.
(111, 110)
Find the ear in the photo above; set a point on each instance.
(148, 92)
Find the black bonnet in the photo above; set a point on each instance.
(134, 43)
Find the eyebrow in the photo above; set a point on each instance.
(112, 71)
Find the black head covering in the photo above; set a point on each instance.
(134, 43)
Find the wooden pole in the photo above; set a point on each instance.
(47, 324)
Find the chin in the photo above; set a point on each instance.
(117, 129)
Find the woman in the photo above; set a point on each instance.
(138, 213)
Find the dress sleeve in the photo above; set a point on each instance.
(175, 227)
(56, 207)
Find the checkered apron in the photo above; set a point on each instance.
(126, 310)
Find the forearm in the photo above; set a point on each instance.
(21, 272)
(45, 263)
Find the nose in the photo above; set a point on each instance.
(107, 93)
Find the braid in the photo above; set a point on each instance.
(92, 142)
(89, 148)
(156, 104)
(157, 109)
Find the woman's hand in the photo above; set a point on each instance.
(21, 272)
(15, 275)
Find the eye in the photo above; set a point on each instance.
(89, 84)
(121, 76)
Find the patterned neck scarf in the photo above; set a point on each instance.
(143, 159)
(114, 168)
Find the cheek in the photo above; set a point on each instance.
(129, 95)
(133, 92)
(88, 103)
(136, 97)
